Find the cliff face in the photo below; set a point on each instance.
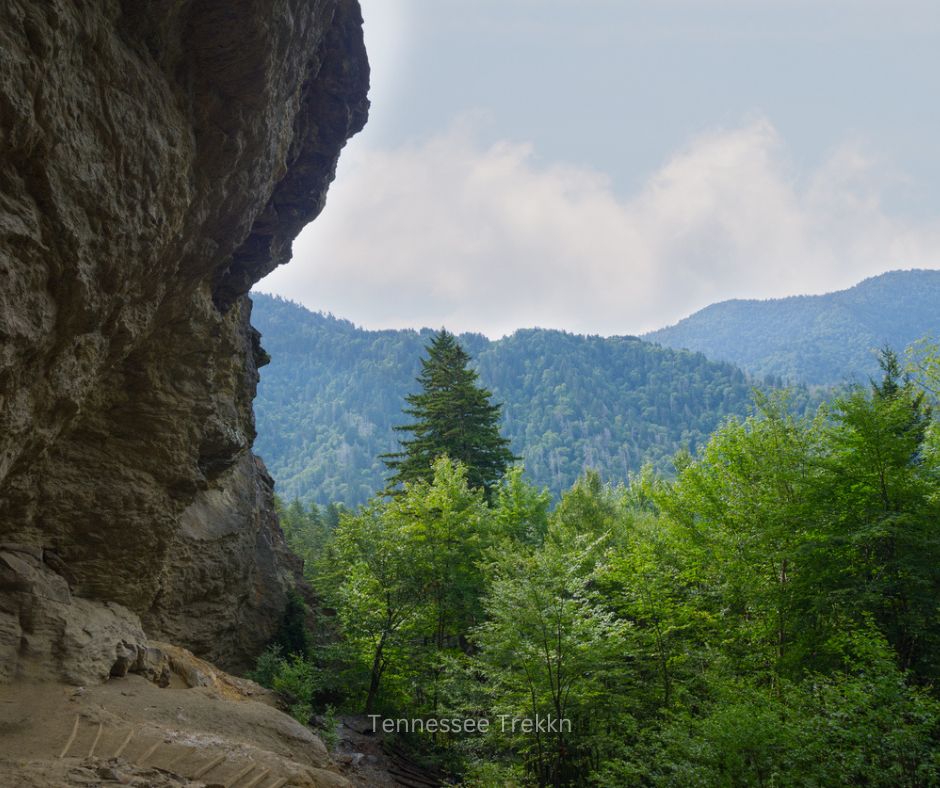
(156, 159)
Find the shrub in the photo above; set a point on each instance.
(297, 680)
(267, 666)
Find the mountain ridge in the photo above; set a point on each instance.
(823, 339)
(571, 401)
(333, 392)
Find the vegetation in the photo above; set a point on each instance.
(330, 400)
(454, 418)
(768, 616)
(293, 676)
(816, 340)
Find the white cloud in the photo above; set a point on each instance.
(489, 238)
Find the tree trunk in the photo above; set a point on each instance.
(376, 676)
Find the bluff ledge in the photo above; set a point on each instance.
(156, 159)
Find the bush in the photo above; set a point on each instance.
(329, 733)
(298, 680)
(294, 678)
(267, 666)
(292, 635)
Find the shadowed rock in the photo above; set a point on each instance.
(156, 159)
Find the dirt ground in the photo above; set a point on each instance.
(229, 733)
(131, 732)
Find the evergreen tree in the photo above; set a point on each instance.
(453, 417)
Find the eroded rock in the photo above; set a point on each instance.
(156, 159)
(46, 634)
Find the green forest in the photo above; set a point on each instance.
(766, 616)
(332, 395)
(819, 340)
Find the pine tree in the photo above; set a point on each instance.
(453, 416)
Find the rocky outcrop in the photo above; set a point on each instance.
(221, 731)
(155, 160)
(208, 578)
(46, 634)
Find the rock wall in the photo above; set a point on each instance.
(156, 159)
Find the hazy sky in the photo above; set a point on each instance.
(609, 166)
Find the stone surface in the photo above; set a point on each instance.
(46, 634)
(130, 732)
(155, 160)
(185, 669)
(207, 578)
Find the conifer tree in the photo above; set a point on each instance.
(453, 416)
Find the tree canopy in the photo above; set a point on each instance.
(330, 398)
(818, 340)
(766, 617)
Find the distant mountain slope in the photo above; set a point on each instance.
(329, 398)
(823, 339)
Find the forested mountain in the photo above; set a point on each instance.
(329, 400)
(822, 339)
(765, 617)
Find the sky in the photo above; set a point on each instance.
(611, 166)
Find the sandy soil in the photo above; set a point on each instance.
(131, 732)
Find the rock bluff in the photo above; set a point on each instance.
(156, 159)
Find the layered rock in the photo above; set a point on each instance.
(155, 160)
(48, 634)
(207, 728)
